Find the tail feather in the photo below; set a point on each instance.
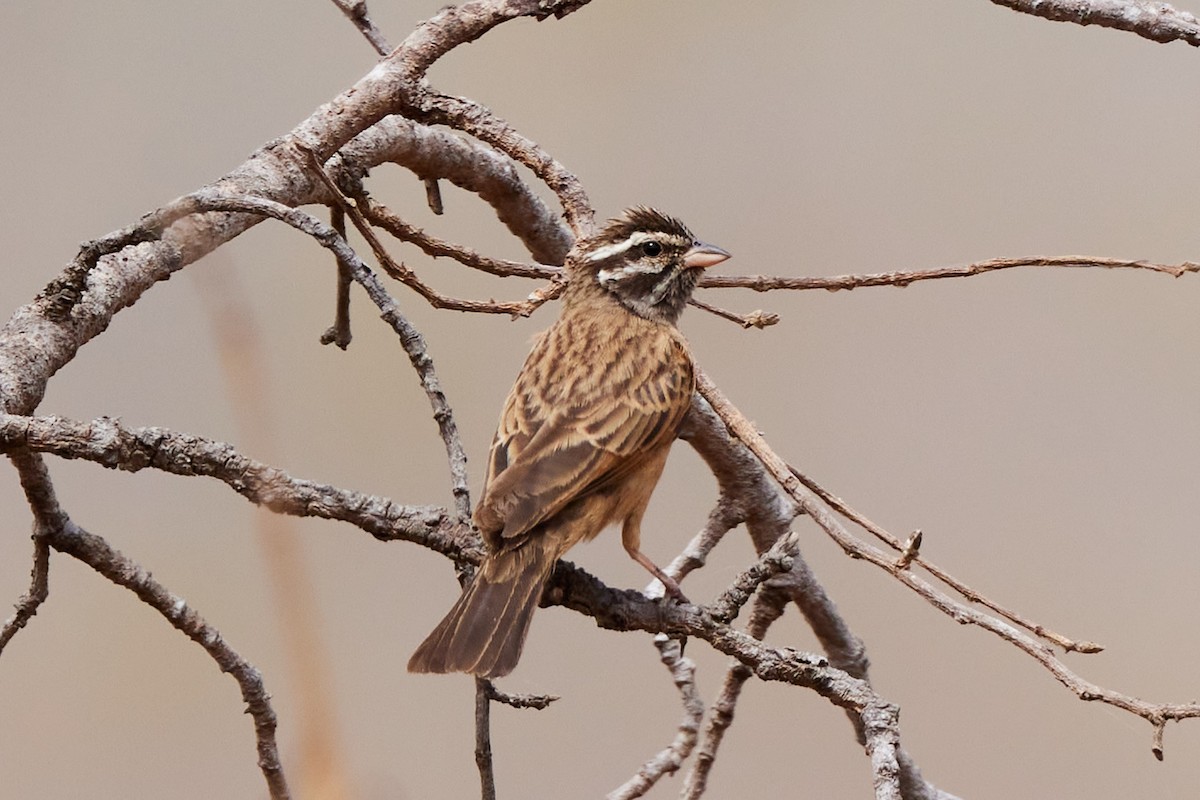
(484, 633)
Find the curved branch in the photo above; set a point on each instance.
(472, 118)
(65, 536)
(433, 153)
(411, 339)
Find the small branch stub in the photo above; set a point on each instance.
(911, 549)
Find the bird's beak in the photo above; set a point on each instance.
(703, 256)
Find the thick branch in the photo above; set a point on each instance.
(1159, 22)
(113, 272)
(433, 153)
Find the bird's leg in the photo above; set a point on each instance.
(631, 538)
(669, 583)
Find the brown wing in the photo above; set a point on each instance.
(543, 458)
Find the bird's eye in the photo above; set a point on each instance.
(651, 248)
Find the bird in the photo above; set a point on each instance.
(584, 434)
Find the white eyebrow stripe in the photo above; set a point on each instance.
(607, 276)
(635, 238)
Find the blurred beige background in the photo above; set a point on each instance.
(1041, 427)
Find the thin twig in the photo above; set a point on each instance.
(671, 758)
(774, 561)
(356, 12)
(537, 702)
(781, 472)
(404, 274)
(381, 216)
(436, 153)
(411, 339)
(433, 196)
(911, 555)
(483, 740)
(723, 517)
(767, 283)
(755, 319)
(39, 589)
(339, 332)
(767, 607)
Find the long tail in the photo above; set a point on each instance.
(485, 630)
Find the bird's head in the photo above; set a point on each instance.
(648, 261)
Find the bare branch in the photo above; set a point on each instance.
(65, 536)
(403, 273)
(433, 196)
(356, 12)
(111, 444)
(766, 283)
(398, 85)
(537, 702)
(755, 319)
(106, 442)
(909, 554)
(472, 118)
(411, 339)
(339, 332)
(1154, 713)
(778, 559)
(382, 216)
(433, 153)
(630, 610)
(724, 516)
(44, 335)
(768, 606)
(1159, 22)
(483, 740)
(39, 589)
(768, 513)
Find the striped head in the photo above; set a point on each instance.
(648, 261)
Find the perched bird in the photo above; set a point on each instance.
(584, 434)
